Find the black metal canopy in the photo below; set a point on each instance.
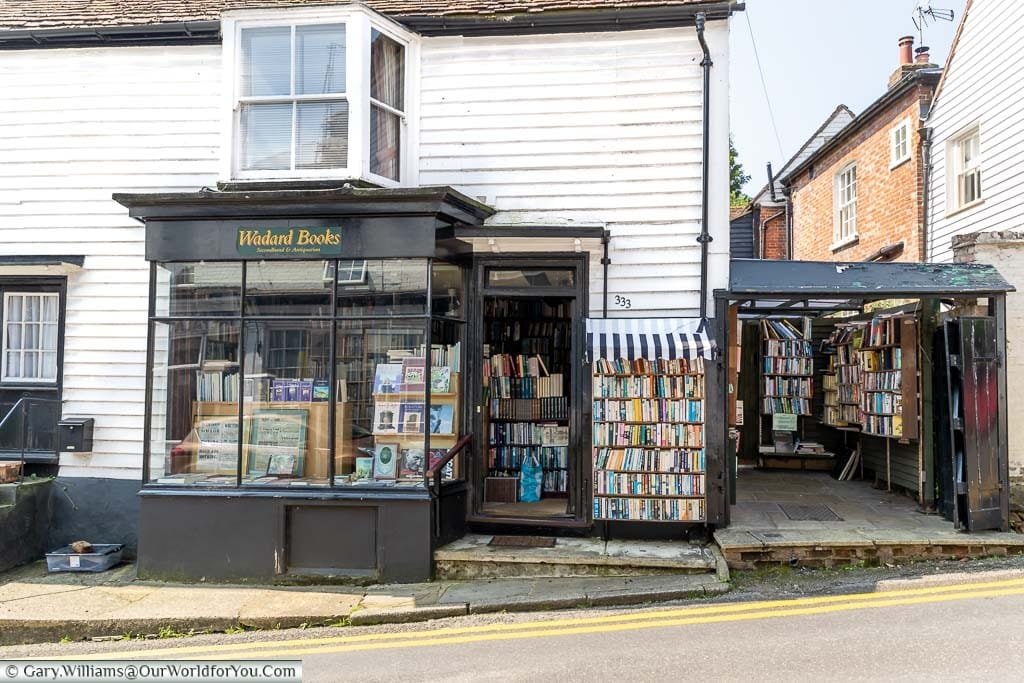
(808, 280)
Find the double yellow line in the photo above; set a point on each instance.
(687, 616)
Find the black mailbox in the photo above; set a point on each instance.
(74, 434)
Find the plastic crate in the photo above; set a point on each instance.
(102, 557)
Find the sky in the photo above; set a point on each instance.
(815, 55)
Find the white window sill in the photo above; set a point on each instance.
(896, 164)
(965, 207)
(845, 242)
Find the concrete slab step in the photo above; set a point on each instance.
(472, 558)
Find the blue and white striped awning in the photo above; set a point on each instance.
(650, 338)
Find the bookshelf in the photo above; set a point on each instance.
(649, 461)
(527, 346)
(845, 364)
(888, 370)
(401, 419)
(528, 417)
(787, 369)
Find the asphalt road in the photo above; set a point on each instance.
(967, 632)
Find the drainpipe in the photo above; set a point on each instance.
(705, 237)
(926, 157)
(605, 262)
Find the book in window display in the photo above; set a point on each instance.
(276, 432)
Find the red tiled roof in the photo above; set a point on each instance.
(56, 14)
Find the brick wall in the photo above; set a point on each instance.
(889, 200)
(1005, 251)
(773, 233)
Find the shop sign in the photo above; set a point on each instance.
(295, 241)
(784, 422)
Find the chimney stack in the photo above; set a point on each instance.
(922, 55)
(906, 44)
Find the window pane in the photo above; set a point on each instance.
(390, 287)
(14, 308)
(199, 289)
(322, 135)
(49, 365)
(266, 135)
(14, 336)
(291, 288)
(286, 393)
(530, 277)
(194, 403)
(381, 371)
(445, 392)
(13, 367)
(447, 290)
(385, 137)
(387, 71)
(320, 59)
(266, 61)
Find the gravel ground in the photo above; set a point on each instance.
(768, 584)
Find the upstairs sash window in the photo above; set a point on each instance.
(387, 104)
(293, 108)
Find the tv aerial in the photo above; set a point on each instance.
(925, 14)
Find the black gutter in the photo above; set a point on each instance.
(605, 262)
(570, 21)
(525, 23)
(176, 33)
(705, 237)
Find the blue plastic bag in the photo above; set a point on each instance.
(531, 480)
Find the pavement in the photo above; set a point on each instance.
(38, 607)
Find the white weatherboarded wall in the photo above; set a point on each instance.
(76, 126)
(589, 129)
(982, 85)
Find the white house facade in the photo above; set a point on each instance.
(561, 150)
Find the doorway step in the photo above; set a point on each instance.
(483, 556)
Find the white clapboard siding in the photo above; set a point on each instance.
(75, 127)
(981, 86)
(588, 129)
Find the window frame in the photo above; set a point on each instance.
(894, 160)
(4, 377)
(954, 155)
(359, 23)
(337, 322)
(840, 240)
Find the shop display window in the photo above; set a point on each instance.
(285, 394)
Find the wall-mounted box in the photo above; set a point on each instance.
(74, 435)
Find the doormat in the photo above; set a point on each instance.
(809, 513)
(523, 541)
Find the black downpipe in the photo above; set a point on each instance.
(605, 262)
(926, 157)
(705, 237)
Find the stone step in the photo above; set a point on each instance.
(472, 558)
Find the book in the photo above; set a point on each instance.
(412, 461)
(440, 380)
(385, 417)
(410, 418)
(441, 417)
(414, 374)
(387, 378)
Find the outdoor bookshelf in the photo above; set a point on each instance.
(845, 341)
(787, 370)
(649, 461)
(888, 368)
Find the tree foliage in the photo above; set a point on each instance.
(737, 178)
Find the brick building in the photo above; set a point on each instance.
(860, 196)
(770, 208)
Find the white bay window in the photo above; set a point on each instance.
(317, 94)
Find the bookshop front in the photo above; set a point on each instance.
(339, 381)
(865, 394)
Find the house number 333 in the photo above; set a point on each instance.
(623, 302)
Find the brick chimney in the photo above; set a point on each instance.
(906, 64)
